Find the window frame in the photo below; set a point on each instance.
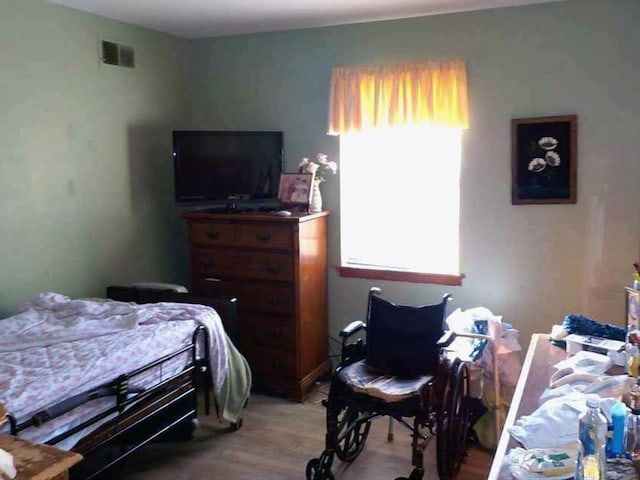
(401, 276)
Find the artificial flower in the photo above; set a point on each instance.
(320, 167)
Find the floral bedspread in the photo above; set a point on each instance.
(57, 347)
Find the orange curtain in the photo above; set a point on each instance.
(433, 92)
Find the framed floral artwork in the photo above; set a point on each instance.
(295, 189)
(544, 160)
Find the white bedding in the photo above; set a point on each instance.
(58, 347)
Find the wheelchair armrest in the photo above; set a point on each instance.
(352, 328)
(446, 339)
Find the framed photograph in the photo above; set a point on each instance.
(295, 189)
(544, 160)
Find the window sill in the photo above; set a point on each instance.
(401, 276)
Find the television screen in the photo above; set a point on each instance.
(211, 166)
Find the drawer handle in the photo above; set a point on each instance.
(276, 333)
(206, 262)
(273, 300)
(263, 236)
(213, 235)
(273, 268)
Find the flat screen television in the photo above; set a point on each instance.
(218, 167)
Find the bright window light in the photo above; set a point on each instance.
(400, 199)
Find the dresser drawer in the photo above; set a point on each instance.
(212, 234)
(250, 235)
(277, 384)
(264, 236)
(260, 296)
(257, 330)
(269, 298)
(270, 362)
(246, 265)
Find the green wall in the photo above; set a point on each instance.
(85, 170)
(85, 167)
(531, 263)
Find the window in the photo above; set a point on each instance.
(400, 202)
(400, 134)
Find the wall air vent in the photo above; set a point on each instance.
(117, 54)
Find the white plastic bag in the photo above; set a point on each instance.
(555, 422)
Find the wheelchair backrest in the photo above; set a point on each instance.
(402, 339)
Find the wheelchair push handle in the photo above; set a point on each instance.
(446, 339)
(352, 328)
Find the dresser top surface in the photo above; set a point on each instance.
(295, 217)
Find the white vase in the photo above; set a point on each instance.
(316, 198)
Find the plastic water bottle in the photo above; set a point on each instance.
(592, 435)
(632, 436)
(631, 444)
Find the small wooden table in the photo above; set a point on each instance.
(34, 461)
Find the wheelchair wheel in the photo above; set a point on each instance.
(315, 471)
(348, 431)
(459, 409)
(452, 420)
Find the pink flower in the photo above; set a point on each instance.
(319, 167)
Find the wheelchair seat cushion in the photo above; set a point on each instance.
(401, 339)
(362, 378)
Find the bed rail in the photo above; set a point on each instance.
(125, 391)
(139, 415)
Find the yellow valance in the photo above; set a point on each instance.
(432, 92)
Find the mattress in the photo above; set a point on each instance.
(57, 347)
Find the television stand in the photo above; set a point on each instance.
(232, 204)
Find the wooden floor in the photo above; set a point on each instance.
(276, 441)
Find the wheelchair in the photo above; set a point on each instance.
(404, 372)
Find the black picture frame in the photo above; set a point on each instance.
(544, 160)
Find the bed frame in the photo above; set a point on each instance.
(167, 410)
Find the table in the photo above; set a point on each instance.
(34, 461)
(537, 369)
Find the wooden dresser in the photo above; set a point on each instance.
(277, 268)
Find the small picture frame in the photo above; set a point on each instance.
(295, 189)
(544, 160)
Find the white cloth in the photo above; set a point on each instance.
(52, 318)
(6, 464)
(555, 422)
